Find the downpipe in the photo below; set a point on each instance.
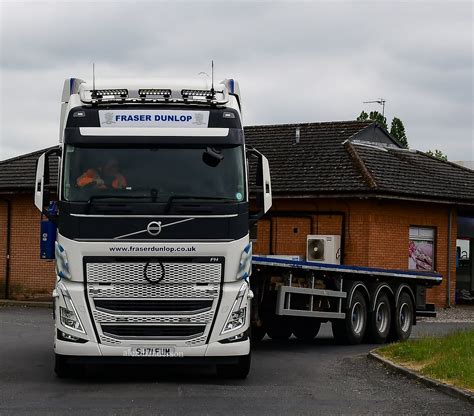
(7, 262)
(450, 227)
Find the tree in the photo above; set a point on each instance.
(438, 154)
(363, 116)
(398, 131)
(375, 116)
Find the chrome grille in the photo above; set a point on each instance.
(174, 273)
(168, 332)
(148, 306)
(149, 290)
(201, 318)
(168, 311)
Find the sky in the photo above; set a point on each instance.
(296, 61)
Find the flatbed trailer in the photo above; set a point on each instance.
(362, 303)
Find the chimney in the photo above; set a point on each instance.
(297, 135)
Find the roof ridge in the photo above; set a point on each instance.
(368, 123)
(359, 164)
(12, 159)
(455, 165)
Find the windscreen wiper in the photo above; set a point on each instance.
(117, 197)
(196, 197)
(94, 197)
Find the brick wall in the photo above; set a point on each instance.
(377, 233)
(30, 277)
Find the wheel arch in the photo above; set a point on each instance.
(358, 285)
(383, 288)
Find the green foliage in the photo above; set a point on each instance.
(375, 116)
(363, 116)
(378, 117)
(450, 358)
(438, 154)
(397, 130)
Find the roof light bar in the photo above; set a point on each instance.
(165, 93)
(112, 93)
(208, 94)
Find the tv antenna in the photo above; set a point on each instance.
(212, 77)
(380, 101)
(93, 76)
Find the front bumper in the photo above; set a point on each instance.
(92, 349)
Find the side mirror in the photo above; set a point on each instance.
(42, 182)
(39, 182)
(263, 183)
(267, 185)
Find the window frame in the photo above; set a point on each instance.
(434, 240)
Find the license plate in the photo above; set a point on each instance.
(152, 351)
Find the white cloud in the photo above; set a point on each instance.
(296, 61)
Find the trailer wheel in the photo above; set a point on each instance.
(257, 333)
(351, 329)
(278, 329)
(403, 318)
(239, 370)
(306, 329)
(380, 320)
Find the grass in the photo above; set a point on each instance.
(449, 359)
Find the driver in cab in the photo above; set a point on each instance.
(107, 176)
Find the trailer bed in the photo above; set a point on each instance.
(432, 277)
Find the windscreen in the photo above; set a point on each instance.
(154, 173)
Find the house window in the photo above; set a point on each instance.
(421, 249)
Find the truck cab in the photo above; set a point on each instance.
(151, 224)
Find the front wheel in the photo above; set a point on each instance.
(257, 333)
(279, 329)
(239, 370)
(351, 329)
(62, 367)
(306, 328)
(403, 318)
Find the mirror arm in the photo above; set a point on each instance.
(51, 217)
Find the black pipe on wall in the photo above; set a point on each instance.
(7, 263)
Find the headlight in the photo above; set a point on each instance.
(237, 315)
(62, 264)
(68, 315)
(69, 319)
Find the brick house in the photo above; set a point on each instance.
(353, 179)
(345, 178)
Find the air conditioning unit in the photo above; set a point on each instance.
(323, 248)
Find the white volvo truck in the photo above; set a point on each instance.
(151, 225)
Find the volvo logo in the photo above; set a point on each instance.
(154, 228)
(154, 271)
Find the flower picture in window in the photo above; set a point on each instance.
(421, 249)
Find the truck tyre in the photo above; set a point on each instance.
(306, 329)
(403, 318)
(239, 370)
(279, 329)
(62, 367)
(351, 329)
(380, 320)
(257, 333)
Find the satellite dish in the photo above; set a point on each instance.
(316, 250)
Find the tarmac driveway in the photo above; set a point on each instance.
(290, 378)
